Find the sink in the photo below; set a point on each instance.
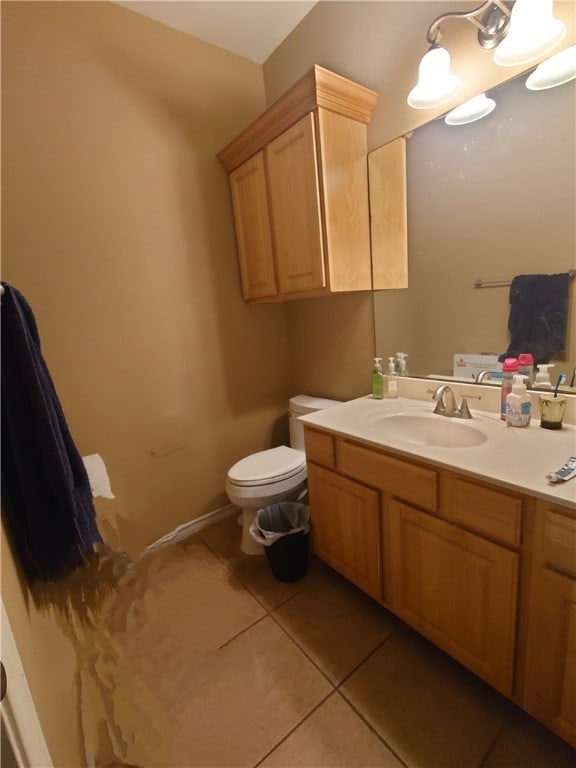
(425, 430)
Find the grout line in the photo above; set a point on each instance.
(369, 725)
(303, 650)
(365, 659)
(494, 742)
(298, 724)
(242, 631)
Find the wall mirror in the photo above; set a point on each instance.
(488, 200)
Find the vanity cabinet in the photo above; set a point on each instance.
(456, 588)
(346, 520)
(550, 684)
(299, 184)
(439, 551)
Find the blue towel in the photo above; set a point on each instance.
(538, 316)
(46, 499)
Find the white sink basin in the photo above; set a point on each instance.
(424, 430)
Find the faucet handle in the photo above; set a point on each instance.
(464, 412)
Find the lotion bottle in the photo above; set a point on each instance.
(377, 380)
(509, 368)
(518, 404)
(390, 381)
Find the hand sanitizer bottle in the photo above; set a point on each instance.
(518, 404)
(390, 381)
(377, 380)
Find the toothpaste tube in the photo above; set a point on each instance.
(567, 472)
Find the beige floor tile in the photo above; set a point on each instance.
(431, 711)
(243, 699)
(335, 623)
(253, 572)
(332, 737)
(180, 604)
(527, 744)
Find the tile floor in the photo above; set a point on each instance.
(250, 671)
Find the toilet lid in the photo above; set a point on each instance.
(269, 466)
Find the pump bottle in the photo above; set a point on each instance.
(509, 368)
(390, 381)
(542, 378)
(518, 404)
(377, 380)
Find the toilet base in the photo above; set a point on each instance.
(247, 544)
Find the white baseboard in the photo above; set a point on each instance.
(186, 530)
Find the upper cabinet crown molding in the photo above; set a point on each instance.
(318, 88)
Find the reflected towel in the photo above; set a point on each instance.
(538, 316)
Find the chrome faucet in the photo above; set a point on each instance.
(446, 403)
(486, 374)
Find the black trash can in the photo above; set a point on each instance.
(284, 531)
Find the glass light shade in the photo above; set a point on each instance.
(436, 84)
(471, 110)
(533, 33)
(558, 69)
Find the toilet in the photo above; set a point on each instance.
(278, 474)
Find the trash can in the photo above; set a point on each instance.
(283, 529)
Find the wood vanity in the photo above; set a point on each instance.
(485, 572)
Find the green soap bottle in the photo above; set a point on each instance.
(377, 380)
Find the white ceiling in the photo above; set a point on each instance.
(251, 29)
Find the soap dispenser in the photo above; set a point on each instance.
(542, 378)
(401, 366)
(390, 381)
(518, 404)
(377, 380)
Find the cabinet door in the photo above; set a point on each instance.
(455, 588)
(346, 527)
(294, 190)
(550, 693)
(253, 233)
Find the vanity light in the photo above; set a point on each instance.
(473, 109)
(533, 33)
(557, 70)
(436, 83)
(521, 35)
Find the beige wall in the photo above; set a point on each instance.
(117, 228)
(378, 44)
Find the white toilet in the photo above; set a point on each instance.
(278, 474)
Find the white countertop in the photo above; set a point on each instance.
(515, 458)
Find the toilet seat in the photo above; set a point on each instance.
(276, 465)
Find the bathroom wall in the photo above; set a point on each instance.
(117, 228)
(379, 44)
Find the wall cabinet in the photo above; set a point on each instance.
(460, 561)
(299, 184)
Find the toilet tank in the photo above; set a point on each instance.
(298, 406)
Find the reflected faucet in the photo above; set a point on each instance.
(486, 374)
(446, 403)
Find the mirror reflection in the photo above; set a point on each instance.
(487, 201)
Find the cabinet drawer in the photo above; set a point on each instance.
(393, 476)
(483, 510)
(319, 447)
(559, 545)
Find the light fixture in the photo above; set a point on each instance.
(521, 32)
(533, 33)
(557, 70)
(436, 84)
(473, 109)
